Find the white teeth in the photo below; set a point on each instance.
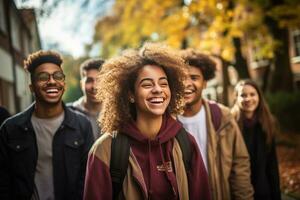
(156, 100)
(188, 91)
(51, 90)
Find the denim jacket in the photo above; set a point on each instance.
(19, 153)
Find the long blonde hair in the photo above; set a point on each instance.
(262, 111)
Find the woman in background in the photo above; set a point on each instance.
(258, 128)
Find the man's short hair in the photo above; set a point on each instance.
(40, 57)
(93, 63)
(201, 61)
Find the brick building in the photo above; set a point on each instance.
(19, 36)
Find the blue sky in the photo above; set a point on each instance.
(70, 25)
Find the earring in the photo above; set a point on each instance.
(131, 100)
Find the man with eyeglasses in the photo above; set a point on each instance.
(88, 104)
(43, 150)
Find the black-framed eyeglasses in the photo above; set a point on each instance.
(45, 76)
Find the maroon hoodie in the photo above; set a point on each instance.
(154, 157)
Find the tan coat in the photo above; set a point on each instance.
(228, 159)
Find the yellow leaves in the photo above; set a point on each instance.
(217, 44)
(264, 47)
(134, 21)
(247, 16)
(207, 25)
(174, 23)
(208, 8)
(228, 52)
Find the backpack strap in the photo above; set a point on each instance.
(216, 114)
(185, 146)
(120, 150)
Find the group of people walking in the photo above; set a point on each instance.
(142, 130)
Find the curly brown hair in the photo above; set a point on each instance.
(118, 76)
(37, 58)
(201, 61)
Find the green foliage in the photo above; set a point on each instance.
(72, 72)
(286, 108)
(72, 93)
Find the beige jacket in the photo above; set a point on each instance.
(228, 159)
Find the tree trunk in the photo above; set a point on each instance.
(281, 76)
(240, 62)
(266, 78)
(225, 65)
(184, 43)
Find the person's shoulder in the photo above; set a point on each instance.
(104, 139)
(102, 147)
(80, 122)
(220, 112)
(236, 113)
(75, 112)
(18, 119)
(76, 106)
(3, 111)
(224, 109)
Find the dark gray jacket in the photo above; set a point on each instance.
(19, 153)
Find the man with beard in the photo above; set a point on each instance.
(88, 104)
(43, 150)
(216, 132)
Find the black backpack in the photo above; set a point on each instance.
(120, 150)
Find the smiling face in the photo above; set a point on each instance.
(88, 85)
(151, 91)
(48, 91)
(194, 86)
(247, 99)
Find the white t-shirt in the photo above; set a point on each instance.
(44, 130)
(196, 125)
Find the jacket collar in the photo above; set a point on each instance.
(24, 118)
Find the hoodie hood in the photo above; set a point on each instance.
(168, 130)
(155, 158)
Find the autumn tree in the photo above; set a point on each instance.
(205, 25)
(227, 29)
(282, 15)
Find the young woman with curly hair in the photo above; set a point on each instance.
(258, 127)
(140, 92)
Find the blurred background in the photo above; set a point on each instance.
(258, 39)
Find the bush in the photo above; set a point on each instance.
(286, 108)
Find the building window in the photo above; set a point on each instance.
(296, 40)
(2, 17)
